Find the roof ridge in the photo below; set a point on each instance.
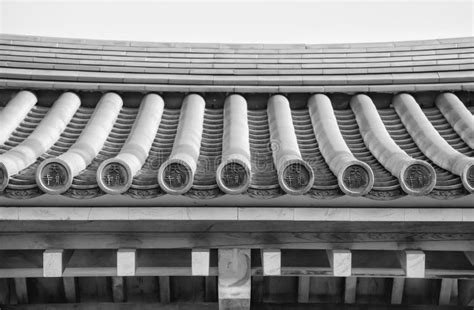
(88, 41)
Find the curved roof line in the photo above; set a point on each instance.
(125, 43)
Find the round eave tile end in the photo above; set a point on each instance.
(3, 177)
(175, 177)
(296, 177)
(54, 176)
(417, 178)
(114, 176)
(233, 177)
(467, 177)
(356, 179)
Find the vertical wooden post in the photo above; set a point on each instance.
(118, 289)
(350, 290)
(271, 262)
(70, 290)
(21, 290)
(413, 263)
(455, 292)
(165, 294)
(258, 288)
(200, 262)
(4, 292)
(341, 262)
(398, 287)
(234, 279)
(210, 293)
(126, 264)
(445, 292)
(303, 289)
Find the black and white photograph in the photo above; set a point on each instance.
(236, 155)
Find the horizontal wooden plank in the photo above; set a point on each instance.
(144, 225)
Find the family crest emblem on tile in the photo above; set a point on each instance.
(115, 175)
(233, 175)
(417, 176)
(296, 176)
(54, 175)
(355, 177)
(176, 176)
(470, 176)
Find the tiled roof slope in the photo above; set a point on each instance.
(76, 64)
(83, 140)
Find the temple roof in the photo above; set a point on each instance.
(84, 118)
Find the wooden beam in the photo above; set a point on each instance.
(54, 262)
(21, 290)
(126, 262)
(284, 240)
(271, 262)
(200, 259)
(341, 262)
(165, 293)
(303, 289)
(398, 286)
(234, 278)
(413, 263)
(350, 290)
(262, 226)
(118, 289)
(70, 289)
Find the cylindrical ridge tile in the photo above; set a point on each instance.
(416, 177)
(176, 174)
(355, 177)
(41, 139)
(233, 174)
(115, 175)
(55, 175)
(295, 176)
(430, 142)
(15, 112)
(458, 116)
